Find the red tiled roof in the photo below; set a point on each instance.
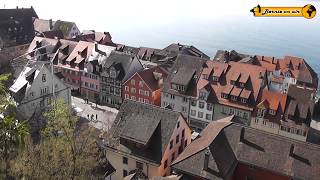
(81, 46)
(245, 94)
(149, 78)
(236, 91)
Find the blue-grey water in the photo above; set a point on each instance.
(264, 36)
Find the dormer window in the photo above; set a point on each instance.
(243, 100)
(205, 76)
(202, 95)
(272, 112)
(225, 96)
(233, 82)
(215, 78)
(234, 98)
(242, 85)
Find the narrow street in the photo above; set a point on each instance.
(100, 117)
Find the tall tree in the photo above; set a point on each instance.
(67, 149)
(12, 132)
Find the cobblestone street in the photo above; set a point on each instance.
(100, 117)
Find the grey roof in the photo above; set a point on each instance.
(261, 149)
(184, 68)
(183, 76)
(120, 61)
(300, 99)
(142, 123)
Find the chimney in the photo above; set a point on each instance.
(291, 153)
(50, 24)
(242, 134)
(206, 159)
(38, 44)
(96, 47)
(273, 61)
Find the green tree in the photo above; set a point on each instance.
(67, 149)
(12, 132)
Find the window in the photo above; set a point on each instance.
(201, 105)
(209, 107)
(245, 115)
(139, 165)
(126, 88)
(146, 101)
(200, 114)
(234, 98)
(133, 98)
(177, 139)
(264, 122)
(43, 77)
(182, 136)
(126, 96)
(185, 143)
(41, 103)
(56, 86)
(31, 94)
(193, 103)
(86, 84)
(178, 124)
(202, 95)
(231, 111)
(208, 116)
(141, 92)
(172, 96)
(185, 99)
(48, 101)
(113, 74)
(172, 157)
(256, 120)
(147, 93)
(140, 100)
(193, 112)
(141, 83)
(215, 78)
(165, 164)
(124, 160)
(184, 109)
(125, 173)
(133, 82)
(133, 90)
(43, 91)
(171, 144)
(225, 96)
(97, 87)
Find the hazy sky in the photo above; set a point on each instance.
(118, 14)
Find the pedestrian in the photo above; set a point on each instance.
(96, 116)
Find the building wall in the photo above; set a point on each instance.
(246, 172)
(176, 102)
(183, 142)
(116, 159)
(140, 90)
(222, 111)
(72, 78)
(197, 122)
(151, 169)
(90, 85)
(267, 126)
(293, 135)
(31, 103)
